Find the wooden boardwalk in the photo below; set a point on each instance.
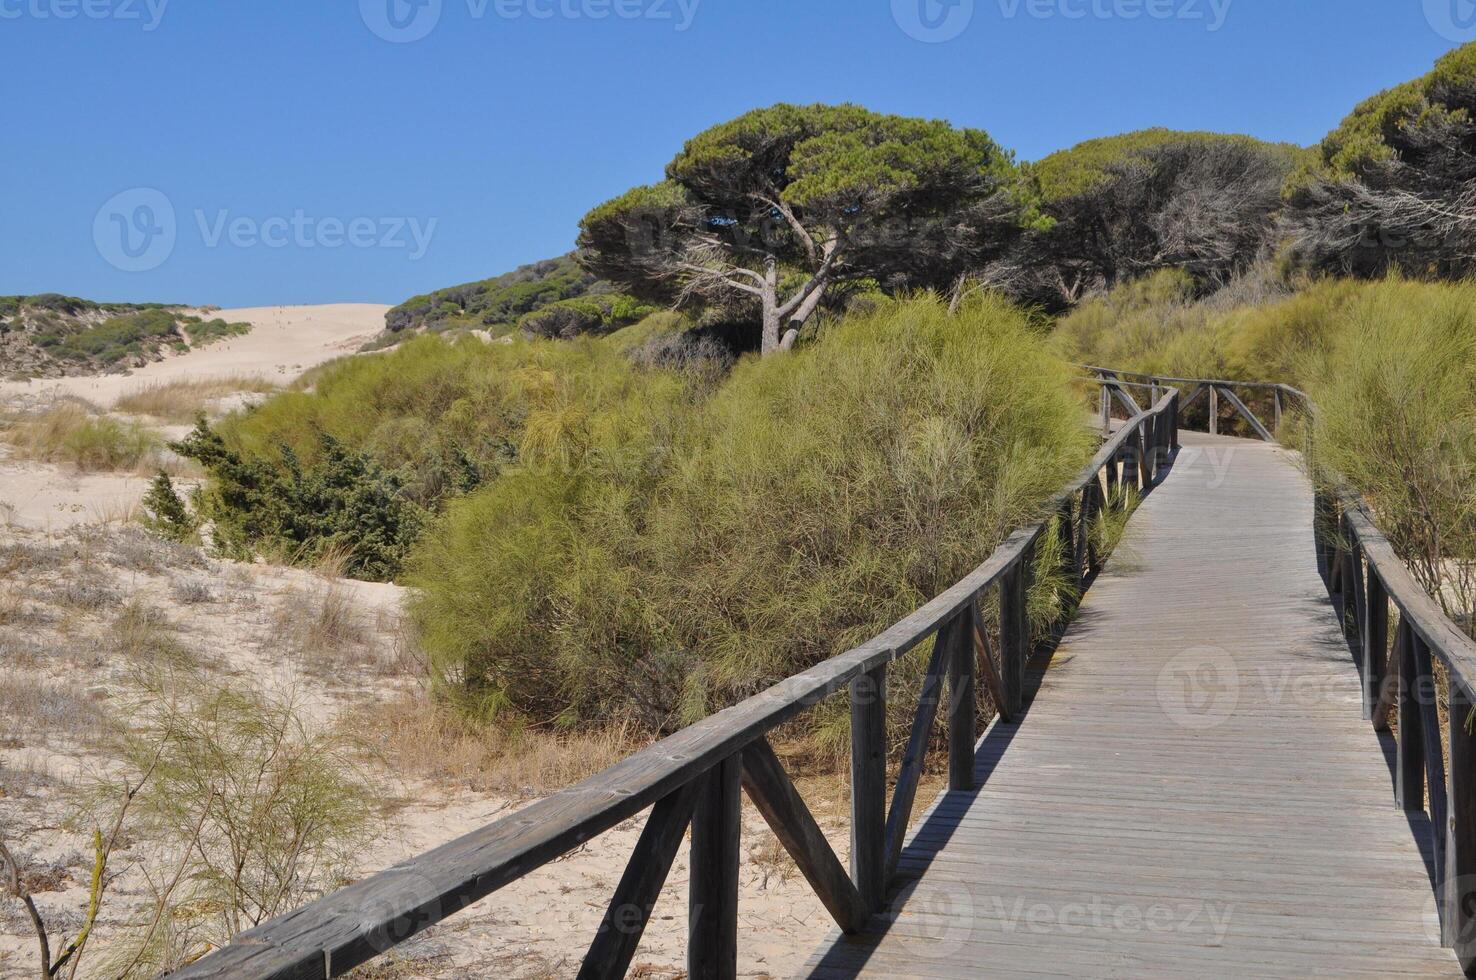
(1193, 792)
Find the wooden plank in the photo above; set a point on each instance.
(869, 788)
(1014, 635)
(712, 907)
(769, 787)
(1269, 807)
(625, 920)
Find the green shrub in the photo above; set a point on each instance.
(203, 332)
(1396, 418)
(165, 512)
(343, 503)
(699, 555)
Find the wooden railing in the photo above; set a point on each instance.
(1399, 634)
(692, 779)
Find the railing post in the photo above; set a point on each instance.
(1460, 841)
(1409, 774)
(1015, 631)
(712, 906)
(961, 677)
(1214, 396)
(869, 787)
(1277, 392)
(1375, 642)
(1106, 412)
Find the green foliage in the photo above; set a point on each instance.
(113, 340)
(1391, 365)
(1380, 128)
(1068, 173)
(906, 202)
(203, 332)
(165, 512)
(344, 502)
(498, 303)
(1396, 418)
(715, 546)
(247, 810)
(423, 423)
(585, 315)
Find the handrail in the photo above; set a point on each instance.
(692, 778)
(1366, 579)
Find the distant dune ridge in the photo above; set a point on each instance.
(284, 342)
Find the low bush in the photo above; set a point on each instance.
(702, 555)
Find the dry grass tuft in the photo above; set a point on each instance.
(183, 401)
(67, 432)
(30, 706)
(423, 739)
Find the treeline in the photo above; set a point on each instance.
(785, 212)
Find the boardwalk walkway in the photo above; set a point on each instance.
(1193, 791)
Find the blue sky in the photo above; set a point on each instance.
(307, 158)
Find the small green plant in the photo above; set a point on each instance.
(165, 512)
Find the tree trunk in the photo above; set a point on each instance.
(770, 296)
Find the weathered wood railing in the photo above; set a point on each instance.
(1399, 634)
(692, 779)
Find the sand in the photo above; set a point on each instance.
(284, 342)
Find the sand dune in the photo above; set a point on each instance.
(284, 342)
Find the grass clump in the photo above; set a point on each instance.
(810, 501)
(184, 401)
(68, 433)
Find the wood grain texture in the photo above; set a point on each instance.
(1195, 758)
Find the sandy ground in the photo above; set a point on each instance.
(71, 564)
(238, 621)
(284, 342)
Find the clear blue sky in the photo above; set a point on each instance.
(504, 127)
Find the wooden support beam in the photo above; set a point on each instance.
(869, 788)
(1247, 414)
(985, 652)
(1459, 921)
(1214, 421)
(909, 771)
(1409, 772)
(1434, 754)
(629, 911)
(1375, 646)
(774, 795)
(961, 703)
(1015, 632)
(712, 909)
